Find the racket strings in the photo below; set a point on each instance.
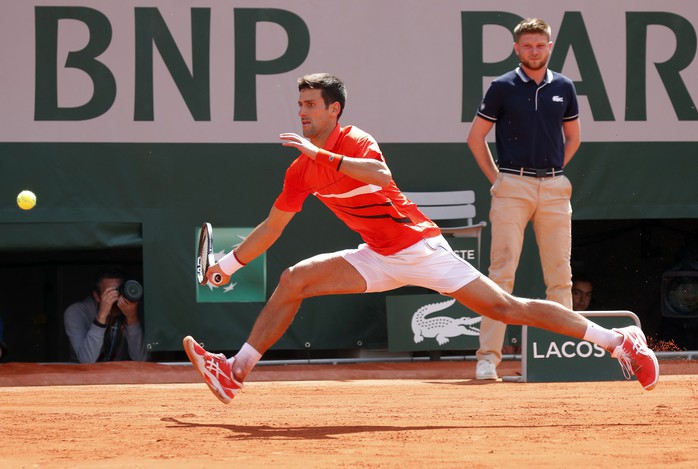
(205, 248)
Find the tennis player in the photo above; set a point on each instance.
(344, 168)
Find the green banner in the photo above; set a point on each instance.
(247, 284)
(430, 322)
(550, 357)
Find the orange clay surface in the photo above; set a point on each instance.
(404, 415)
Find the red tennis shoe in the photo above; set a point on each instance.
(214, 369)
(636, 358)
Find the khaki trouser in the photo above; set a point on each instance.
(545, 202)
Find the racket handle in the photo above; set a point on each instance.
(216, 279)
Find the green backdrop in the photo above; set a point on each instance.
(92, 196)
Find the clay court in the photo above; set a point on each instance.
(425, 414)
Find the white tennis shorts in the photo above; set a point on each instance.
(430, 263)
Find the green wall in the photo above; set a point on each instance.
(94, 196)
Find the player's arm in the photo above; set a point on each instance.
(572, 130)
(264, 235)
(256, 243)
(481, 151)
(367, 170)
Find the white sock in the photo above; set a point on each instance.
(604, 338)
(245, 360)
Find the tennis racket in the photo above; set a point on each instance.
(205, 256)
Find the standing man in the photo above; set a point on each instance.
(537, 133)
(345, 169)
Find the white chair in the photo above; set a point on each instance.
(453, 211)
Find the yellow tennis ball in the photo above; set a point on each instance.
(26, 200)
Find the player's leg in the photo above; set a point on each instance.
(486, 298)
(627, 344)
(324, 274)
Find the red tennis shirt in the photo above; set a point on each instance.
(386, 220)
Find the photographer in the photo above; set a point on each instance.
(105, 325)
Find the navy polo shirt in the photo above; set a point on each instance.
(528, 118)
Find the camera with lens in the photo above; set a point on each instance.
(131, 290)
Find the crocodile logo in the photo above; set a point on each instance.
(441, 328)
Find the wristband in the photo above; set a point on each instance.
(229, 263)
(99, 324)
(329, 159)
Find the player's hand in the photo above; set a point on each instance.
(213, 273)
(300, 143)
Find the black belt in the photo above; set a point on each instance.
(533, 172)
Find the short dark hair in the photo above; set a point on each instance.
(582, 277)
(332, 88)
(532, 26)
(111, 271)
